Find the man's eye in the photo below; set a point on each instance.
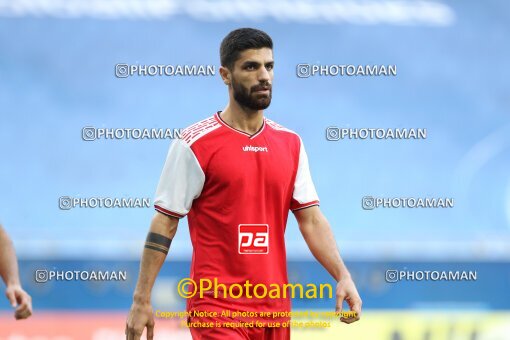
(269, 67)
(250, 67)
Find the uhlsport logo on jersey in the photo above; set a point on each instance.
(253, 239)
(251, 148)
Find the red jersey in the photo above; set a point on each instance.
(237, 190)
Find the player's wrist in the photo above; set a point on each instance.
(343, 276)
(12, 283)
(141, 298)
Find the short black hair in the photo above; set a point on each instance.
(239, 40)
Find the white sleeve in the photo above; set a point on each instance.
(181, 181)
(304, 194)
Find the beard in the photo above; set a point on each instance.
(249, 98)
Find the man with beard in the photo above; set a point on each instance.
(235, 175)
(18, 298)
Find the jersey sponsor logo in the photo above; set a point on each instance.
(251, 148)
(253, 239)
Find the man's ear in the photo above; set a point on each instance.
(225, 75)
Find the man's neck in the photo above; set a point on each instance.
(243, 120)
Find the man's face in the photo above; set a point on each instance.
(252, 78)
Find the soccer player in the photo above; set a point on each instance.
(18, 298)
(236, 175)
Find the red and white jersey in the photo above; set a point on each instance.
(237, 190)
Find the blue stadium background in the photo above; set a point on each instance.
(57, 76)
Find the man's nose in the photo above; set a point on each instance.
(263, 75)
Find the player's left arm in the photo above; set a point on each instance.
(18, 298)
(319, 237)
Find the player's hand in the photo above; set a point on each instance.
(140, 316)
(346, 290)
(20, 300)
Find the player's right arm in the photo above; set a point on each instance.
(162, 231)
(180, 183)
